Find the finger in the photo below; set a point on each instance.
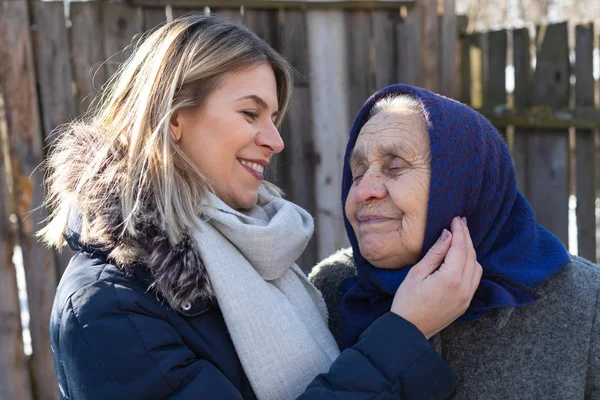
(471, 262)
(434, 257)
(476, 278)
(457, 255)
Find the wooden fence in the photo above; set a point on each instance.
(550, 121)
(343, 52)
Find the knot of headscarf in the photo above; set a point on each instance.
(472, 175)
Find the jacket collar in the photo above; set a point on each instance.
(143, 271)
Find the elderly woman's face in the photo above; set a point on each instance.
(387, 203)
(232, 136)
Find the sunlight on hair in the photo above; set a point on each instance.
(121, 151)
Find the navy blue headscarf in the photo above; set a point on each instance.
(472, 175)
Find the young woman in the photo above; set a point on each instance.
(184, 284)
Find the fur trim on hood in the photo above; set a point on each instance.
(177, 270)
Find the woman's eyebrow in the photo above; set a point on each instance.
(356, 157)
(388, 148)
(258, 100)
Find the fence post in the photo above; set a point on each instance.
(408, 47)
(448, 44)
(86, 28)
(522, 100)
(153, 17)
(360, 70)
(464, 51)
(548, 149)
(121, 23)
(585, 180)
(54, 78)
(327, 44)
(429, 62)
(496, 76)
(17, 79)
(299, 152)
(384, 38)
(14, 374)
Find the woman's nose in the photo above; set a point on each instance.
(371, 187)
(270, 138)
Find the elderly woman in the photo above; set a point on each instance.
(184, 283)
(414, 160)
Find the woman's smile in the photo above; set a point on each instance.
(256, 168)
(371, 219)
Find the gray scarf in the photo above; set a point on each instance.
(276, 318)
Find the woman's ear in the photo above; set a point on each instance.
(175, 127)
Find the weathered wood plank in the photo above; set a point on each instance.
(293, 43)
(522, 98)
(233, 13)
(153, 17)
(54, 78)
(121, 24)
(448, 45)
(597, 164)
(429, 62)
(408, 47)
(14, 374)
(54, 74)
(479, 69)
(384, 42)
(17, 79)
(280, 4)
(585, 168)
(299, 158)
(87, 51)
(551, 78)
(461, 22)
(522, 94)
(298, 177)
(465, 42)
(496, 79)
(548, 154)
(584, 66)
(331, 121)
(474, 71)
(264, 24)
(180, 12)
(548, 118)
(360, 69)
(496, 73)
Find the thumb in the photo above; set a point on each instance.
(434, 257)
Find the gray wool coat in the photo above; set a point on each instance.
(547, 350)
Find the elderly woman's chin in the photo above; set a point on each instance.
(386, 252)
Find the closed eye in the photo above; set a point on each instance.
(357, 174)
(252, 115)
(398, 164)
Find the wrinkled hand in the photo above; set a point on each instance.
(440, 287)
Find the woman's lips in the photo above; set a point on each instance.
(252, 171)
(372, 219)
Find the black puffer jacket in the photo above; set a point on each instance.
(113, 338)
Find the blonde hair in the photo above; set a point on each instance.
(121, 151)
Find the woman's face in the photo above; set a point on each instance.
(387, 203)
(232, 136)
